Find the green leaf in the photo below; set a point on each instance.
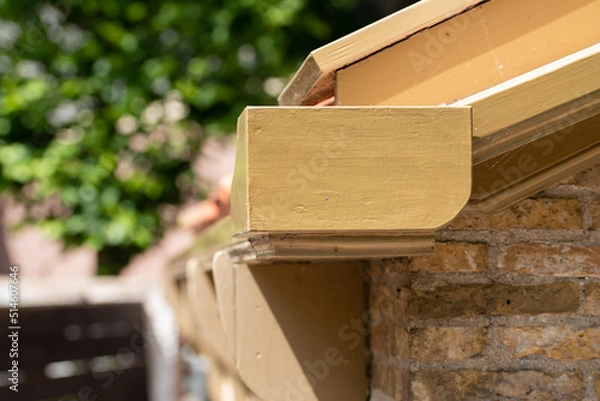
(70, 84)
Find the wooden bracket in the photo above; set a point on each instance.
(291, 327)
(315, 190)
(349, 182)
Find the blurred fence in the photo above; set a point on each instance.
(79, 352)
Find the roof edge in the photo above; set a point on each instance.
(314, 80)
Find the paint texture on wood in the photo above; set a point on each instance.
(572, 81)
(339, 247)
(513, 168)
(224, 279)
(314, 81)
(533, 128)
(297, 329)
(471, 52)
(209, 336)
(529, 70)
(351, 170)
(510, 195)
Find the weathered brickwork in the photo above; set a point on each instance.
(496, 299)
(507, 307)
(394, 380)
(442, 343)
(551, 260)
(592, 299)
(469, 385)
(453, 385)
(454, 257)
(594, 208)
(554, 342)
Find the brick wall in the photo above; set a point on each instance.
(507, 308)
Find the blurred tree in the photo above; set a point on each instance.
(104, 103)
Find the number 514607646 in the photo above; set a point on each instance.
(13, 290)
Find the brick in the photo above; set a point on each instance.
(496, 299)
(453, 257)
(551, 260)
(400, 343)
(378, 395)
(381, 376)
(390, 381)
(538, 386)
(379, 340)
(544, 213)
(469, 385)
(592, 299)
(594, 209)
(383, 268)
(589, 177)
(465, 385)
(447, 343)
(401, 380)
(385, 302)
(566, 343)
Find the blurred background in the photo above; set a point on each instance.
(116, 150)
(116, 115)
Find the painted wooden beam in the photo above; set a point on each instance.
(531, 128)
(535, 104)
(529, 70)
(314, 81)
(296, 330)
(471, 52)
(351, 174)
(209, 335)
(287, 330)
(192, 294)
(503, 180)
(339, 246)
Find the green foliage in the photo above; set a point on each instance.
(104, 103)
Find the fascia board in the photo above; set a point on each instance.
(314, 80)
